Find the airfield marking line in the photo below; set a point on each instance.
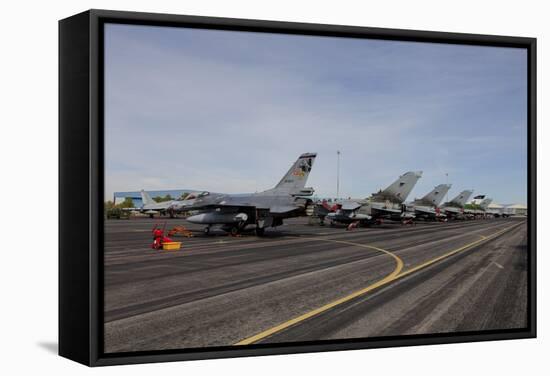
(455, 251)
(326, 307)
(393, 276)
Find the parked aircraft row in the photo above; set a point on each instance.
(237, 212)
(291, 198)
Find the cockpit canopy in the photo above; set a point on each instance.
(195, 195)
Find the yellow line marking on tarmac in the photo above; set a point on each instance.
(393, 276)
(383, 281)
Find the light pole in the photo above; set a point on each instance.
(447, 182)
(337, 174)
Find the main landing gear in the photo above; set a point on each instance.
(234, 231)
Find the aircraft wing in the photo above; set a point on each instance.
(222, 206)
(350, 205)
(281, 209)
(387, 210)
(158, 206)
(452, 209)
(425, 210)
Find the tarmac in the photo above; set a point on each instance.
(303, 282)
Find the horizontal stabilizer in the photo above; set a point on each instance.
(384, 208)
(350, 205)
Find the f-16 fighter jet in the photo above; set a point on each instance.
(385, 204)
(237, 212)
(427, 207)
(170, 207)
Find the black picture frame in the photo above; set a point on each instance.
(81, 175)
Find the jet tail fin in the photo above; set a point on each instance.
(295, 179)
(485, 203)
(402, 187)
(436, 195)
(146, 198)
(462, 198)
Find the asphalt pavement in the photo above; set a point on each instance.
(303, 282)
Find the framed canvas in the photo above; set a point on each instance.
(234, 187)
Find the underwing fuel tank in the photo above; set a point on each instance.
(360, 216)
(217, 218)
(354, 216)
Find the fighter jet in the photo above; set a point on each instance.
(455, 208)
(258, 211)
(481, 212)
(170, 207)
(385, 204)
(427, 207)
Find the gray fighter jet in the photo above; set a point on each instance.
(427, 207)
(454, 209)
(171, 207)
(481, 212)
(237, 212)
(385, 204)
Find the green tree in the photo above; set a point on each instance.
(109, 205)
(127, 203)
(162, 199)
(472, 207)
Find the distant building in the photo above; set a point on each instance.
(495, 209)
(516, 209)
(500, 209)
(510, 209)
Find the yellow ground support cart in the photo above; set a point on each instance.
(171, 246)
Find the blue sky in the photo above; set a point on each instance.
(230, 111)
